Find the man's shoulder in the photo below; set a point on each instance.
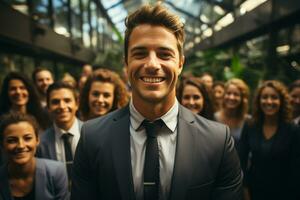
(203, 129)
(200, 122)
(103, 124)
(47, 134)
(112, 116)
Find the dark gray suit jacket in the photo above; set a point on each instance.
(51, 181)
(206, 163)
(46, 148)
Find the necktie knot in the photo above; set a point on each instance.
(66, 136)
(152, 128)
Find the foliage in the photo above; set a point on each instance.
(111, 59)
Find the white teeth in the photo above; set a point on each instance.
(152, 79)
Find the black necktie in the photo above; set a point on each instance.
(68, 152)
(151, 166)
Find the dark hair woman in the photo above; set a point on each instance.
(23, 176)
(102, 93)
(193, 95)
(19, 95)
(269, 146)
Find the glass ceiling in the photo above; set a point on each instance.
(201, 17)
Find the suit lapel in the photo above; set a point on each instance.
(39, 180)
(51, 144)
(121, 154)
(183, 156)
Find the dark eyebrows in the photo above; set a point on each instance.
(141, 48)
(138, 48)
(166, 49)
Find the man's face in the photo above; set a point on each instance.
(153, 64)
(207, 81)
(43, 80)
(87, 70)
(295, 94)
(63, 107)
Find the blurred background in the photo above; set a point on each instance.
(249, 39)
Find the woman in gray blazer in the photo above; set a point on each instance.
(23, 176)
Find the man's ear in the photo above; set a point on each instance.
(181, 62)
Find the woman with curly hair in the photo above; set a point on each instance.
(19, 95)
(234, 111)
(102, 93)
(269, 147)
(193, 95)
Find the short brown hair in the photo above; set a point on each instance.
(155, 15)
(14, 118)
(60, 85)
(38, 70)
(285, 114)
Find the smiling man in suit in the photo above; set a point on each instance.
(154, 148)
(60, 140)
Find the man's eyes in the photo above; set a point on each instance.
(161, 55)
(165, 55)
(139, 54)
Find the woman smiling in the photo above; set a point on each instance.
(19, 95)
(23, 176)
(234, 111)
(269, 146)
(102, 93)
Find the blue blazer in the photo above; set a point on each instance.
(51, 182)
(206, 164)
(46, 148)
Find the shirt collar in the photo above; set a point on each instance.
(74, 130)
(170, 118)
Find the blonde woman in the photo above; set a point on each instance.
(234, 111)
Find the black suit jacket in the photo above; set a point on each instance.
(273, 174)
(206, 163)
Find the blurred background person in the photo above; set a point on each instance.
(18, 94)
(218, 91)
(42, 78)
(234, 111)
(87, 70)
(59, 141)
(269, 147)
(69, 79)
(103, 92)
(193, 95)
(23, 176)
(294, 91)
(208, 80)
(81, 82)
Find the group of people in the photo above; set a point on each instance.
(266, 140)
(192, 138)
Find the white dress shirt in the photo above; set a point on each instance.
(166, 144)
(59, 142)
